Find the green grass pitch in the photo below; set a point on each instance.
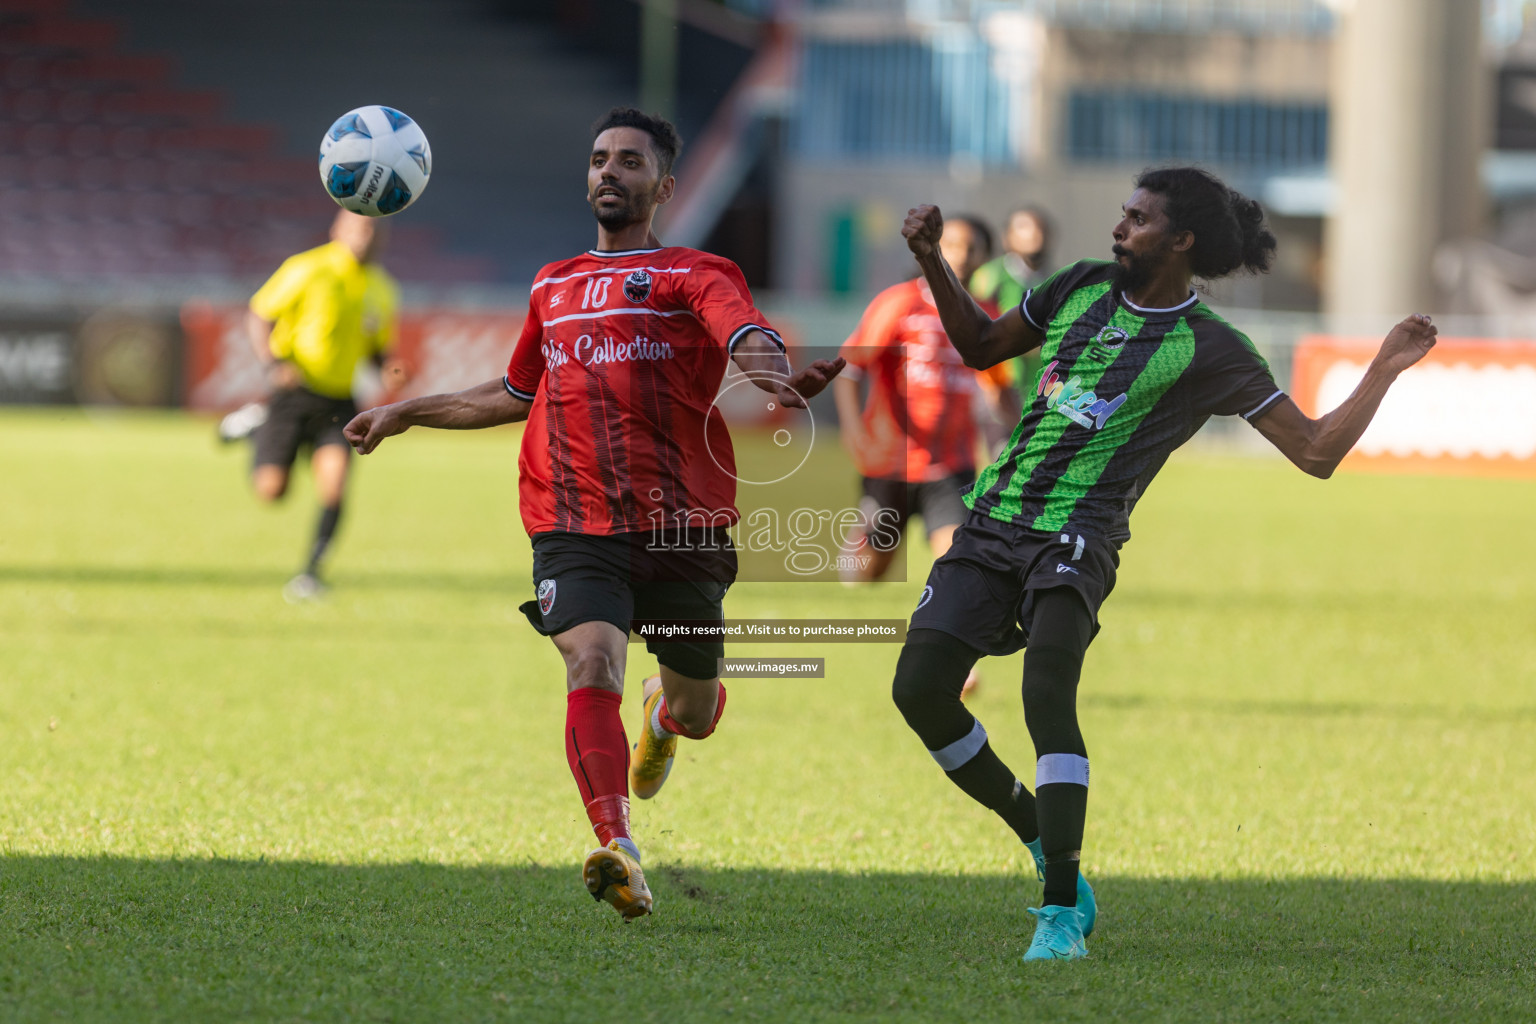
(1310, 713)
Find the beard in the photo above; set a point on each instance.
(635, 209)
(1137, 270)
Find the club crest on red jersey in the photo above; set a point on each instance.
(637, 286)
(546, 596)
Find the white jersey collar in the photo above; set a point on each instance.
(1193, 298)
(603, 254)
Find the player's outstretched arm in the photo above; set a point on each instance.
(767, 367)
(1318, 446)
(981, 341)
(484, 405)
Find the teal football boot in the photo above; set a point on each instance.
(1058, 935)
(1087, 906)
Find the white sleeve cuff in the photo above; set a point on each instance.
(745, 329)
(1024, 311)
(1271, 400)
(525, 396)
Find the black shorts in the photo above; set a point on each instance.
(297, 418)
(940, 502)
(982, 590)
(586, 578)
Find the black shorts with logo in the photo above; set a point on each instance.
(581, 577)
(940, 502)
(296, 418)
(982, 590)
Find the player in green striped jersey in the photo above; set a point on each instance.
(1133, 364)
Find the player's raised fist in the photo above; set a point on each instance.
(922, 228)
(1408, 342)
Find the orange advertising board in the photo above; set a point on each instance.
(445, 351)
(1468, 409)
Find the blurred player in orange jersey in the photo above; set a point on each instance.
(915, 439)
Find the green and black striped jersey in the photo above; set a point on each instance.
(1120, 389)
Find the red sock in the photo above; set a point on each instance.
(670, 724)
(598, 751)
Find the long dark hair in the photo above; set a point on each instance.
(1228, 226)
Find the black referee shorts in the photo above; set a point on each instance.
(581, 577)
(299, 418)
(982, 591)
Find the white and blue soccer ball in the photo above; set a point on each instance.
(375, 161)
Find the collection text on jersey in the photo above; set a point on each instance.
(590, 351)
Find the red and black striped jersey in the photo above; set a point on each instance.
(919, 420)
(622, 356)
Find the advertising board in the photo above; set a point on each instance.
(1469, 408)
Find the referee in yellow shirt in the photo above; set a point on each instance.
(312, 323)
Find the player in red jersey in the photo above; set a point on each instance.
(616, 372)
(915, 441)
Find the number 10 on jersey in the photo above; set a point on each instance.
(596, 294)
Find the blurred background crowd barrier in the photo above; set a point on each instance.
(157, 161)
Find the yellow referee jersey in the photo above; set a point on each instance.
(329, 312)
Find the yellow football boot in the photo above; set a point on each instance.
(611, 874)
(650, 759)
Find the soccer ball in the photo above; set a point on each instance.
(375, 161)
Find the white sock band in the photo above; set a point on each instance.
(1053, 768)
(656, 727)
(962, 750)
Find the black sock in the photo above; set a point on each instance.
(989, 782)
(1060, 631)
(1062, 807)
(324, 531)
(929, 676)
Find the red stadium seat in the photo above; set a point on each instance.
(109, 168)
(161, 105)
(115, 69)
(61, 33)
